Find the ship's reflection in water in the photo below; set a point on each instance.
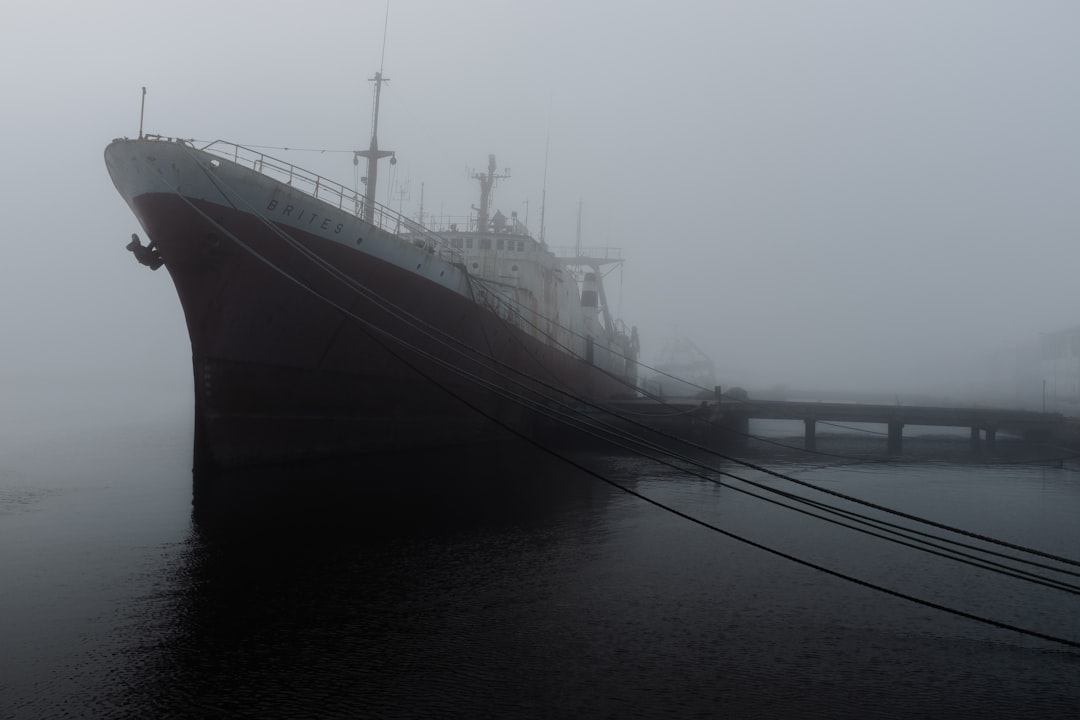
(377, 495)
(500, 582)
(393, 585)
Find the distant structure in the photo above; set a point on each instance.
(681, 370)
(1059, 370)
(1040, 374)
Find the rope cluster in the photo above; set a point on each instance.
(551, 401)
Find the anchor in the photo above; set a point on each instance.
(147, 255)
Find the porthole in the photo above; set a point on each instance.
(359, 240)
(215, 163)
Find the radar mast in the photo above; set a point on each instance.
(373, 153)
(487, 181)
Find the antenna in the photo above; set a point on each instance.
(421, 218)
(373, 153)
(543, 192)
(142, 111)
(578, 248)
(386, 24)
(403, 194)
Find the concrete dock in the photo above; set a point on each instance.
(734, 415)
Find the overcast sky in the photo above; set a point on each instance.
(841, 193)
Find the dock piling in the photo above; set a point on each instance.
(896, 438)
(810, 437)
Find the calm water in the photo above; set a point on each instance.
(502, 583)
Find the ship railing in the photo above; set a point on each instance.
(595, 254)
(450, 223)
(468, 223)
(336, 194)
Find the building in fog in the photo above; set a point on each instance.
(1059, 370)
(1042, 373)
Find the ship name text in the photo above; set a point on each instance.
(288, 210)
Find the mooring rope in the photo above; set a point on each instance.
(379, 335)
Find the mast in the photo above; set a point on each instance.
(594, 278)
(577, 248)
(142, 111)
(543, 192)
(487, 181)
(374, 154)
(421, 218)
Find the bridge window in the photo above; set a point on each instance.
(485, 243)
(500, 244)
(468, 243)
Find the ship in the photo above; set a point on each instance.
(323, 323)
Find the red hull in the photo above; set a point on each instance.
(292, 361)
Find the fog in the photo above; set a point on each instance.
(840, 194)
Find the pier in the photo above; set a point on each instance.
(734, 415)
